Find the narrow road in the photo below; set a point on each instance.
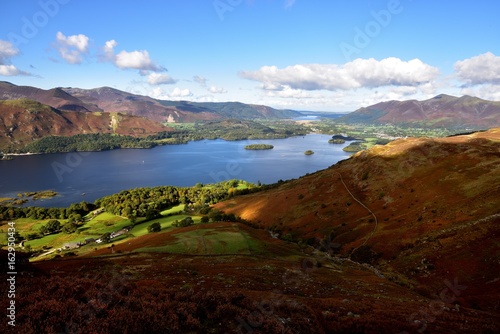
(364, 206)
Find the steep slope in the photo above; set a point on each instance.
(268, 286)
(440, 111)
(111, 99)
(22, 121)
(108, 99)
(55, 97)
(425, 210)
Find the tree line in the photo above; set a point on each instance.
(226, 129)
(148, 202)
(73, 212)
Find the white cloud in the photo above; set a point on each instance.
(135, 60)
(178, 92)
(9, 70)
(481, 69)
(109, 49)
(217, 90)
(72, 48)
(201, 80)
(487, 92)
(160, 79)
(7, 51)
(288, 92)
(205, 98)
(358, 73)
(138, 60)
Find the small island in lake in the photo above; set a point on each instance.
(308, 152)
(336, 141)
(23, 198)
(259, 147)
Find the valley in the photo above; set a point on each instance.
(410, 226)
(250, 167)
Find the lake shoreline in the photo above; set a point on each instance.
(10, 156)
(202, 161)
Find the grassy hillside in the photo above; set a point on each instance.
(424, 210)
(400, 238)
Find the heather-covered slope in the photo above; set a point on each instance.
(23, 121)
(426, 210)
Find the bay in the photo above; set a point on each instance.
(86, 176)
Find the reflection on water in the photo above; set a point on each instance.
(99, 174)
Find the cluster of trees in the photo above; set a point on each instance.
(74, 212)
(226, 129)
(148, 202)
(86, 142)
(188, 221)
(259, 147)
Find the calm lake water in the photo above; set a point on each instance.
(91, 175)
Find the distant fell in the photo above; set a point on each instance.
(22, 121)
(107, 99)
(440, 111)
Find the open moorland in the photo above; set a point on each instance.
(399, 238)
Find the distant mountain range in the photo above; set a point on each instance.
(30, 113)
(440, 111)
(106, 99)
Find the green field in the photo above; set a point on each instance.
(222, 240)
(165, 222)
(104, 223)
(96, 227)
(173, 209)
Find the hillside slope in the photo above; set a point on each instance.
(22, 121)
(425, 210)
(107, 99)
(55, 97)
(440, 111)
(111, 99)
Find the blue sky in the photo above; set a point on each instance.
(306, 55)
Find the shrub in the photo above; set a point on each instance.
(155, 227)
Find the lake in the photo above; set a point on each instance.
(86, 176)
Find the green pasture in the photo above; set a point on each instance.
(209, 241)
(173, 209)
(165, 222)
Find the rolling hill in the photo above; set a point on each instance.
(23, 121)
(106, 99)
(439, 111)
(425, 211)
(399, 238)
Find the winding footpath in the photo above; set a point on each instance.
(364, 206)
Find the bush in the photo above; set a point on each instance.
(155, 227)
(188, 221)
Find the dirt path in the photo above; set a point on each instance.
(364, 206)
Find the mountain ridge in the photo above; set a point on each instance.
(23, 121)
(440, 111)
(108, 99)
